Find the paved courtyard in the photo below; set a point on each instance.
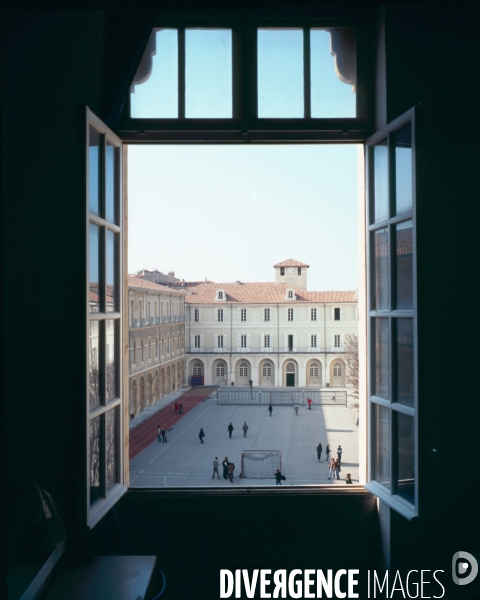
(185, 462)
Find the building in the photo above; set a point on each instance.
(156, 341)
(274, 334)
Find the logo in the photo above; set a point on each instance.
(464, 568)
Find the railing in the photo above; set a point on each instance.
(267, 351)
(228, 395)
(157, 321)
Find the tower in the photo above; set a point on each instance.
(292, 272)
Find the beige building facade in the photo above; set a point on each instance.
(273, 334)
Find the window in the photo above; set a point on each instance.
(336, 314)
(337, 370)
(314, 370)
(266, 314)
(299, 270)
(313, 341)
(220, 341)
(313, 314)
(266, 341)
(148, 348)
(337, 339)
(282, 270)
(196, 315)
(243, 314)
(134, 351)
(290, 314)
(244, 370)
(168, 344)
(141, 351)
(220, 295)
(196, 341)
(290, 293)
(220, 370)
(156, 346)
(290, 368)
(220, 314)
(243, 341)
(197, 369)
(267, 370)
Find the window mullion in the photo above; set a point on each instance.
(306, 73)
(181, 74)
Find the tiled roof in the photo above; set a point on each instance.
(140, 282)
(291, 262)
(261, 293)
(404, 243)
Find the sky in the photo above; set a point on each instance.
(230, 212)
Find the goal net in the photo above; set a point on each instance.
(261, 464)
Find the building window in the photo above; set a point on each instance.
(196, 341)
(244, 370)
(141, 352)
(266, 343)
(267, 370)
(313, 341)
(337, 370)
(220, 295)
(197, 369)
(243, 341)
(243, 314)
(168, 344)
(314, 370)
(313, 314)
(290, 293)
(220, 314)
(282, 270)
(196, 315)
(299, 270)
(220, 370)
(290, 368)
(290, 314)
(266, 314)
(156, 346)
(336, 314)
(220, 341)
(148, 348)
(134, 352)
(337, 342)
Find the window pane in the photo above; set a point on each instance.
(381, 423)
(95, 364)
(406, 457)
(111, 264)
(404, 265)
(332, 63)
(154, 92)
(111, 360)
(208, 73)
(94, 268)
(110, 180)
(94, 171)
(112, 447)
(404, 392)
(280, 73)
(95, 458)
(380, 166)
(381, 287)
(381, 351)
(403, 169)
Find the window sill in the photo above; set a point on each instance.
(100, 508)
(398, 504)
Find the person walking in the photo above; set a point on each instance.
(319, 452)
(331, 469)
(278, 477)
(225, 464)
(339, 454)
(327, 452)
(175, 406)
(245, 429)
(201, 435)
(296, 409)
(230, 429)
(337, 468)
(159, 433)
(231, 469)
(164, 435)
(309, 403)
(215, 468)
(270, 409)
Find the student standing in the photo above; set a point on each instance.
(319, 452)
(327, 452)
(231, 469)
(159, 434)
(339, 454)
(201, 435)
(225, 464)
(215, 468)
(337, 468)
(164, 435)
(278, 477)
(296, 409)
(270, 409)
(245, 429)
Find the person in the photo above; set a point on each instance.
(356, 418)
(230, 429)
(278, 477)
(164, 435)
(333, 397)
(180, 408)
(309, 403)
(176, 408)
(215, 468)
(337, 468)
(331, 469)
(245, 429)
(327, 452)
(201, 435)
(250, 383)
(231, 469)
(319, 451)
(296, 409)
(159, 433)
(270, 409)
(339, 454)
(225, 464)
(348, 478)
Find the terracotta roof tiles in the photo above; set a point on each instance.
(291, 262)
(140, 282)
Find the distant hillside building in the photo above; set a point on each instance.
(275, 334)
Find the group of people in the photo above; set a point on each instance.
(162, 434)
(230, 429)
(178, 408)
(334, 464)
(296, 407)
(228, 469)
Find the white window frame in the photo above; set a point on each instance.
(313, 314)
(266, 314)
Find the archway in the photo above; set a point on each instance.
(337, 373)
(290, 374)
(219, 371)
(314, 373)
(266, 373)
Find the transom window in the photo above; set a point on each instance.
(290, 368)
(197, 369)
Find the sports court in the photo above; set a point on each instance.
(185, 462)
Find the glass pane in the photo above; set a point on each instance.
(208, 73)
(381, 351)
(111, 264)
(94, 268)
(404, 265)
(380, 166)
(403, 169)
(95, 364)
(110, 179)
(381, 423)
(111, 360)
(94, 171)
(381, 294)
(406, 457)
(112, 447)
(332, 65)
(404, 392)
(280, 73)
(154, 91)
(95, 459)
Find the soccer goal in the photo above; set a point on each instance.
(261, 464)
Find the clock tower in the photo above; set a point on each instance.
(291, 272)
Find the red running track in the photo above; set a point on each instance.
(145, 433)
